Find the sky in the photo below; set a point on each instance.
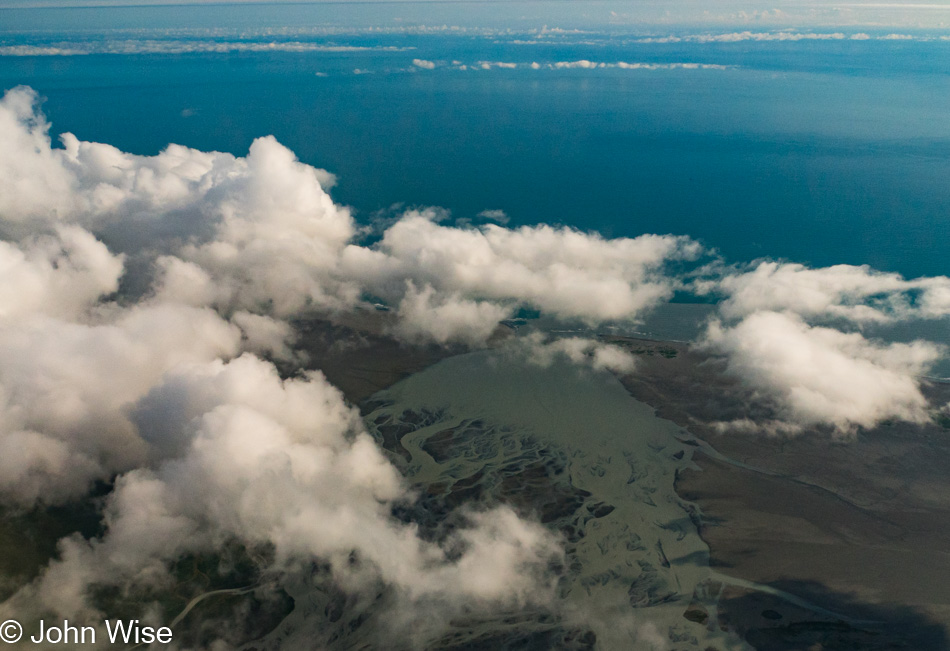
(669, 12)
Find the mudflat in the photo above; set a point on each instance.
(857, 525)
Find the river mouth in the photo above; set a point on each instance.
(569, 446)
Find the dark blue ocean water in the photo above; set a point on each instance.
(822, 152)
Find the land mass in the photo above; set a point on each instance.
(856, 524)
(807, 542)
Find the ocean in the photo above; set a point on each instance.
(815, 146)
(818, 151)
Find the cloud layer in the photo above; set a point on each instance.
(247, 456)
(193, 46)
(858, 294)
(787, 36)
(152, 376)
(236, 245)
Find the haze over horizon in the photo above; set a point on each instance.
(693, 13)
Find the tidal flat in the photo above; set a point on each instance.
(567, 445)
(676, 532)
(855, 524)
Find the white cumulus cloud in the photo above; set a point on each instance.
(254, 458)
(858, 294)
(816, 375)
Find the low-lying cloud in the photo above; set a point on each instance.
(782, 35)
(846, 292)
(626, 65)
(580, 64)
(154, 376)
(822, 376)
(282, 463)
(262, 234)
(163, 393)
(793, 334)
(160, 386)
(578, 350)
(168, 46)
